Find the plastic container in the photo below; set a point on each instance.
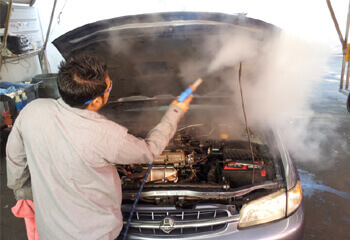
(24, 99)
(15, 104)
(7, 118)
(18, 103)
(48, 87)
(30, 89)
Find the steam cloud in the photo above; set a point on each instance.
(279, 73)
(234, 50)
(277, 77)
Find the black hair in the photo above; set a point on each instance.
(81, 78)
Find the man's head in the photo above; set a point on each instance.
(83, 82)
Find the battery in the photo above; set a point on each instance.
(240, 173)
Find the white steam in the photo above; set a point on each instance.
(277, 77)
(236, 49)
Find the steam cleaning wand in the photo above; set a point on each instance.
(183, 96)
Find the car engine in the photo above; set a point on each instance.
(190, 162)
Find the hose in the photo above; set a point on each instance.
(135, 202)
(245, 118)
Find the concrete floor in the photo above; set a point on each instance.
(326, 182)
(12, 228)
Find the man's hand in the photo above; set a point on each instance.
(185, 104)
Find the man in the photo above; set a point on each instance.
(61, 153)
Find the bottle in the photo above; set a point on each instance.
(24, 99)
(18, 102)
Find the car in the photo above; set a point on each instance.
(220, 177)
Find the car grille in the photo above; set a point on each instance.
(200, 214)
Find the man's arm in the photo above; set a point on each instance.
(18, 176)
(137, 150)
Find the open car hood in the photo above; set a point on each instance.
(147, 54)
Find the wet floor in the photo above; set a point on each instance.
(312, 187)
(326, 180)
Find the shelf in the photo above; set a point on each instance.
(7, 59)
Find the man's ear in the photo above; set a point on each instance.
(96, 104)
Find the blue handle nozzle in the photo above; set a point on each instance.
(185, 94)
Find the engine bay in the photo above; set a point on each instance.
(201, 164)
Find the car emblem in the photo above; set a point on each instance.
(167, 225)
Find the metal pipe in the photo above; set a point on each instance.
(188, 185)
(343, 43)
(347, 78)
(347, 26)
(4, 40)
(346, 42)
(342, 72)
(41, 55)
(336, 25)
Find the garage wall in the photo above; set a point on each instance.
(24, 21)
(20, 69)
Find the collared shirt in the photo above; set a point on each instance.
(65, 157)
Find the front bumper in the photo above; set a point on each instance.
(289, 228)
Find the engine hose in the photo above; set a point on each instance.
(245, 118)
(135, 202)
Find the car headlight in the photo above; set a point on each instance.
(294, 197)
(263, 210)
(271, 207)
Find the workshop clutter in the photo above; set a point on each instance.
(7, 118)
(18, 44)
(16, 91)
(9, 87)
(14, 97)
(21, 100)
